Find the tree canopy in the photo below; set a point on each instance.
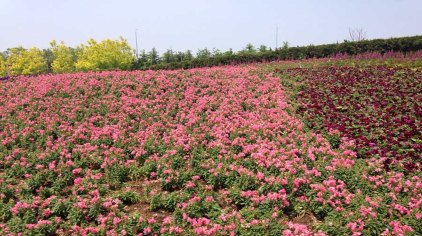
(105, 55)
(26, 61)
(63, 58)
(3, 71)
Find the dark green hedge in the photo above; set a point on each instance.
(403, 44)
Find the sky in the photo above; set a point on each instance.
(197, 24)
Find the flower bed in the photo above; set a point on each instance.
(188, 152)
(379, 107)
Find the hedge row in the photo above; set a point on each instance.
(402, 44)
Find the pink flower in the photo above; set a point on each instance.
(260, 175)
(400, 229)
(151, 221)
(167, 220)
(77, 181)
(209, 199)
(147, 230)
(116, 220)
(190, 184)
(47, 212)
(76, 171)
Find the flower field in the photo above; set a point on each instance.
(379, 107)
(213, 151)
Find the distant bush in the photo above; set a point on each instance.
(105, 55)
(26, 61)
(63, 58)
(3, 71)
(250, 55)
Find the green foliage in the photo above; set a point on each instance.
(3, 70)
(153, 57)
(117, 54)
(263, 48)
(168, 56)
(116, 175)
(63, 59)
(250, 54)
(245, 182)
(128, 197)
(333, 139)
(105, 55)
(203, 54)
(48, 58)
(249, 48)
(166, 202)
(26, 61)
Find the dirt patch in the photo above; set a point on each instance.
(307, 219)
(66, 190)
(143, 206)
(143, 209)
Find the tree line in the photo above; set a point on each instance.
(119, 55)
(104, 55)
(250, 54)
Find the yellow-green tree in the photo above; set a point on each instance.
(3, 68)
(105, 55)
(26, 62)
(63, 60)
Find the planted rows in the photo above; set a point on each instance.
(379, 107)
(214, 151)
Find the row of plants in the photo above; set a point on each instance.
(378, 106)
(211, 151)
(93, 56)
(375, 48)
(118, 55)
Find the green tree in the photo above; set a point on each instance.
(178, 56)
(48, 58)
(3, 68)
(188, 55)
(263, 48)
(105, 55)
(203, 54)
(26, 62)
(143, 59)
(168, 56)
(249, 48)
(153, 57)
(216, 52)
(63, 59)
(229, 52)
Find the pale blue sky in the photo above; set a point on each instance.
(193, 24)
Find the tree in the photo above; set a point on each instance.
(357, 34)
(188, 55)
(263, 48)
(153, 57)
(143, 58)
(105, 55)
(178, 56)
(62, 58)
(168, 56)
(48, 58)
(3, 67)
(249, 48)
(26, 62)
(229, 52)
(203, 54)
(216, 52)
